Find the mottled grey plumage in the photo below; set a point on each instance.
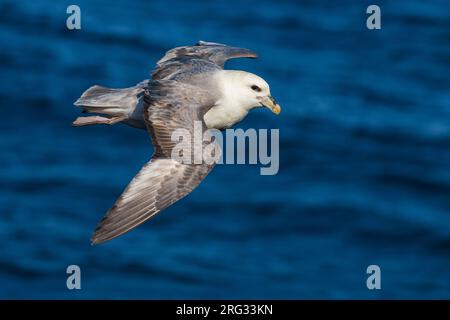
(169, 106)
(179, 93)
(216, 53)
(186, 63)
(189, 64)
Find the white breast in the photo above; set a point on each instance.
(223, 116)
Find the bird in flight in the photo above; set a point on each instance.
(189, 84)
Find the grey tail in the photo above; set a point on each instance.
(111, 102)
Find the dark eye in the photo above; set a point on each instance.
(256, 88)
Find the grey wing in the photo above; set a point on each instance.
(163, 180)
(207, 54)
(160, 183)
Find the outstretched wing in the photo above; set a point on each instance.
(198, 55)
(162, 181)
(215, 52)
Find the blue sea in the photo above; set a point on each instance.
(364, 174)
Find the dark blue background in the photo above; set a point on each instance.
(364, 149)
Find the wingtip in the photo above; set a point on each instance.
(96, 238)
(96, 241)
(208, 43)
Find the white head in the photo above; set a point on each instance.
(247, 91)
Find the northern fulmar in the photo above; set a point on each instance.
(188, 84)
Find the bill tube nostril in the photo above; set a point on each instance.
(270, 103)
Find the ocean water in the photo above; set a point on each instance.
(364, 153)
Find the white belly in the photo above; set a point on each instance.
(221, 117)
